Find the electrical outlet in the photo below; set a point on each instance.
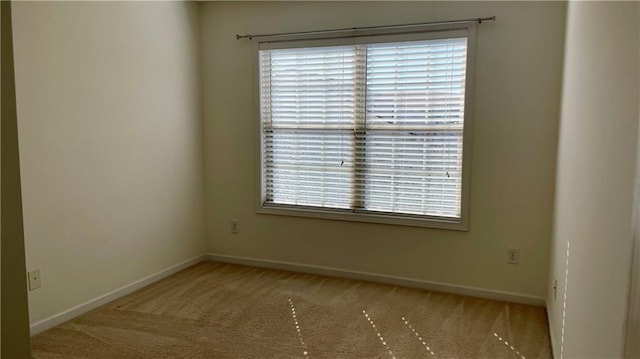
(235, 226)
(513, 255)
(34, 280)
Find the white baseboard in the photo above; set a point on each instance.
(57, 319)
(380, 278)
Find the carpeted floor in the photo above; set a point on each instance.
(215, 310)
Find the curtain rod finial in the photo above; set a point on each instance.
(492, 18)
(238, 37)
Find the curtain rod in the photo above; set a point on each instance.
(479, 20)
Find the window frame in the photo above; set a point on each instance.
(423, 32)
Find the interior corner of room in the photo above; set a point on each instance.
(138, 130)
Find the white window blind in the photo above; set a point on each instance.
(367, 128)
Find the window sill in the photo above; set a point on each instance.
(348, 215)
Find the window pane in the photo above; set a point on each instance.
(414, 172)
(308, 118)
(414, 122)
(312, 169)
(310, 87)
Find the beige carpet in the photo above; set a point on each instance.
(215, 310)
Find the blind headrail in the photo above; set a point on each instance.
(478, 20)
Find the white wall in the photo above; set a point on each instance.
(111, 145)
(595, 179)
(518, 77)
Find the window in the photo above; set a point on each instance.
(371, 130)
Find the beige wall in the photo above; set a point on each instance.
(111, 146)
(632, 342)
(518, 77)
(15, 316)
(595, 180)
